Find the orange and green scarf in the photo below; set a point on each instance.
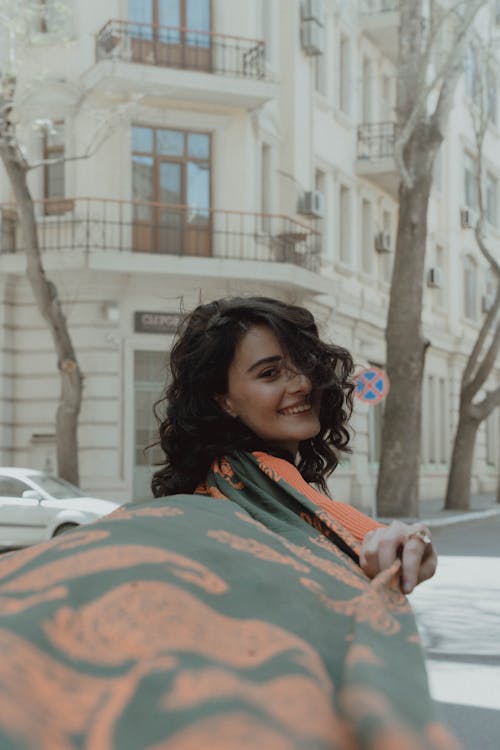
(235, 618)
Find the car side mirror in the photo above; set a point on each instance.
(32, 495)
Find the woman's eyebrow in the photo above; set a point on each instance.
(265, 361)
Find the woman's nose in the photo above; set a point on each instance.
(298, 382)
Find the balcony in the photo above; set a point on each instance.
(161, 238)
(181, 64)
(375, 155)
(379, 19)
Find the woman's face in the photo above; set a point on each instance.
(277, 403)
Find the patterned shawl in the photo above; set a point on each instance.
(232, 619)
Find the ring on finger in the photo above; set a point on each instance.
(422, 534)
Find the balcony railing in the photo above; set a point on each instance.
(369, 7)
(100, 225)
(178, 47)
(376, 140)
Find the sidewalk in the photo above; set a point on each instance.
(432, 513)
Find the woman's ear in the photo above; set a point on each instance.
(224, 404)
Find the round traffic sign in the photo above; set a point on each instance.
(372, 385)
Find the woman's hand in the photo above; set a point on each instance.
(410, 543)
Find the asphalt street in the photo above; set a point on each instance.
(458, 614)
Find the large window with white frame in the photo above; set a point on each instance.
(440, 291)
(366, 91)
(492, 428)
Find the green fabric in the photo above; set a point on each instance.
(194, 622)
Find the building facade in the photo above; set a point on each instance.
(220, 147)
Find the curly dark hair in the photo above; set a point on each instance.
(194, 429)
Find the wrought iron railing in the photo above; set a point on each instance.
(178, 47)
(95, 225)
(369, 7)
(376, 140)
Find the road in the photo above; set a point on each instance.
(458, 614)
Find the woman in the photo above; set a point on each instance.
(252, 374)
(242, 609)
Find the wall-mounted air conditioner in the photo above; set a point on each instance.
(468, 218)
(383, 242)
(435, 278)
(487, 301)
(312, 203)
(313, 10)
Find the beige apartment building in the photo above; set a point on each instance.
(235, 147)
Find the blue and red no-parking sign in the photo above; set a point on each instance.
(372, 385)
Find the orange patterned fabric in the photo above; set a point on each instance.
(230, 619)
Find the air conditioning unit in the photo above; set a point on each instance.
(435, 278)
(313, 10)
(467, 218)
(312, 38)
(487, 301)
(312, 203)
(383, 242)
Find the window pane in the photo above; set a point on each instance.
(198, 18)
(198, 192)
(170, 183)
(55, 180)
(170, 142)
(142, 139)
(142, 185)
(149, 370)
(142, 13)
(199, 145)
(169, 12)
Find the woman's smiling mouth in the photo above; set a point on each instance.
(296, 409)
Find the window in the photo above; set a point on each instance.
(344, 74)
(267, 26)
(171, 168)
(320, 73)
(435, 439)
(53, 16)
(492, 199)
(386, 99)
(149, 374)
(385, 259)
(470, 184)
(472, 77)
(171, 32)
(366, 91)
(11, 487)
(491, 95)
(53, 176)
(470, 289)
(440, 295)
(265, 189)
(367, 249)
(491, 426)
(345, 225)
(437, 172)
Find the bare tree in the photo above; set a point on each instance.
(473, 411)
(425, 90)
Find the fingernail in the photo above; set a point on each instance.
(407, 587)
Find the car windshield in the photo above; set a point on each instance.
(58, 488)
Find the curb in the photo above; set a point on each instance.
(448, 520)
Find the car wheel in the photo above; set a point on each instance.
(65, 527)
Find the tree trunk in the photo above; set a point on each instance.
(45, 294)
(397, 491)
(459, 478)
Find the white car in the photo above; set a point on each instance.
(35, 506)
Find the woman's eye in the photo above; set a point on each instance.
(271, 372)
